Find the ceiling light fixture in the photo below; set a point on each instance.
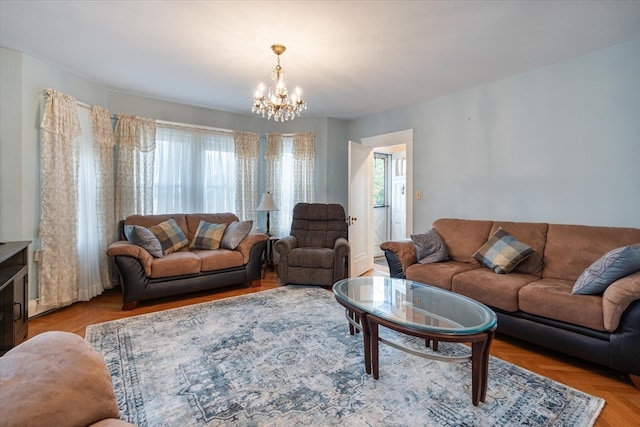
(277, 103)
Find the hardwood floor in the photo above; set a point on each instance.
(622, 406)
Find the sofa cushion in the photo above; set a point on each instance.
(170, 235)
(193, 221)
(437, 274)
(219, 259)
(236, 232)
(175, 264)
(533, 234)
(207, 236)
(311, 257)
(502, 252)
(463, 237)
(429, 247)
(55, 379)
(318, 225)
(618, 297)
(141, 236)
(149, 221)
(497, 290)
(570, 249)
(552, 298)
(612, 266)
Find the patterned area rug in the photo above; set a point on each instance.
(285, 357)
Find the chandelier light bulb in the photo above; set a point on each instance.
(278, 104)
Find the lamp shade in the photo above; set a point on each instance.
(267, 203)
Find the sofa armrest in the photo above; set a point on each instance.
(248, 243)
(283, 247)
(403, 250)
(55, 379)
(341, 247)
(124, 248)
(617, 298)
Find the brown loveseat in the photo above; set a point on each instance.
(56, 379)
(534, 301)
(144, 277)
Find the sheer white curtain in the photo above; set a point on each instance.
(289, 167)
(247, 150)
(89, 245)
(195, 171)
(136, 139)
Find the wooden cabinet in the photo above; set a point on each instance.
(14, 294)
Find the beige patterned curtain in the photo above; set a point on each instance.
(273, 173)
(247, 149)
(57, 254)
(103, 151)
(304, 158)
(136, 140)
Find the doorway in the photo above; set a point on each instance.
(403, 203)
(389, 196)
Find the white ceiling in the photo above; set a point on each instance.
(351, 58)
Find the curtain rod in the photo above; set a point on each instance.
(169, 123)
(190, 126)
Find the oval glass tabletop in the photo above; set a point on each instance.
(415, 305)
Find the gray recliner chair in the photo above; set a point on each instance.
(316, 251)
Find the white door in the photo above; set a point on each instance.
(360, 216)
(399, 196)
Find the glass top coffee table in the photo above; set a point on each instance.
(421, 311)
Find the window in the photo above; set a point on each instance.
(380, 163)
(194, 171)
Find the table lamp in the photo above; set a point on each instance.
(267, 203)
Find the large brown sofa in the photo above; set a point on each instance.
(144, 277)
(56, 379)
(534, 301)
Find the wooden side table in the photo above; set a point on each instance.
(269, 261)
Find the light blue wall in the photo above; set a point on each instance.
(10, 146)
(559, 144)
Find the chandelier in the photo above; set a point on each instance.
(277, 103)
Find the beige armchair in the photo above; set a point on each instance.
(316, 251)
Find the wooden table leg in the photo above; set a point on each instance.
(480, 367)
(375, 347)
(366, 338)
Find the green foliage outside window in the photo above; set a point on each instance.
(379, 180)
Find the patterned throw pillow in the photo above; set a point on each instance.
(144, 238)
(235, 233)
(170, 236)
(610, 267)
(429, 247)
(208, 236)
(502, 252)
